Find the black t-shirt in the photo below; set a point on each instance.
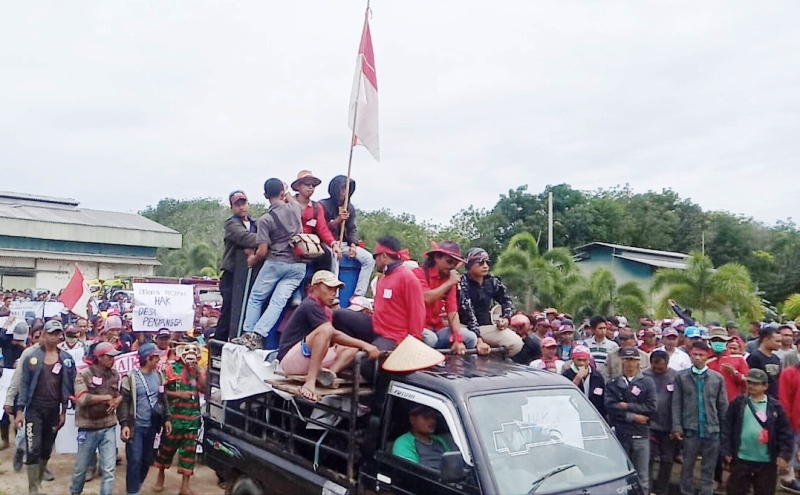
(356, 324)
(771, 365)
(531, 350)
(305, 319)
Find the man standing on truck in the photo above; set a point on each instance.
(311, 346)
(477, 290)
(314, 221)
(281, 273)
(439, 279)
(630, 401)
(399, 306)
(240, 241)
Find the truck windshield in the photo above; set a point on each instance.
(546, 441)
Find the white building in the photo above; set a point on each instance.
(41, 239)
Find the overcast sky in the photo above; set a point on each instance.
(119, 104)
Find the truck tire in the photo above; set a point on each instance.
(245, 486)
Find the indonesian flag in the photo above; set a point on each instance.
(364, 97)
(76, 294)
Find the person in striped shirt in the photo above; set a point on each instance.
(599, 346)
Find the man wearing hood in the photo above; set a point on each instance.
(336, 214)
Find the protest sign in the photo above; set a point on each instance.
(39, 309)
(5, 383)
(163, 306)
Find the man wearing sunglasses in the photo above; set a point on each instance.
(477, 291)
(439, 277)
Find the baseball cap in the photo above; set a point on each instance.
(162, 332)
(677, 322)
(236, 196)
(21, 331)
(629, 353)
(357, 303)
(520, 321)
(623, 322)
(566, 328)
(327, 278)
(669, 332)
(756, 375)
(731, 324)
(719, 333)
(53, 326)
(549, 342)
(112, 322)
(581, 351)
(71, 330)
(105, 349)
(547, 311)
(692, 333)
(147, 350)
(421, 409)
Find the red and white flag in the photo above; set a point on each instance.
(76, 294)
(364, 97)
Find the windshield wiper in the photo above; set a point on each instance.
(552, 472)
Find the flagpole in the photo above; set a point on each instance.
(352, 141)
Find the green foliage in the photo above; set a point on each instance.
(791, 307)
(602, 296)
(726, 290)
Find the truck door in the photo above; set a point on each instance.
(407, 465)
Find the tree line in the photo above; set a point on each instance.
(768, 254)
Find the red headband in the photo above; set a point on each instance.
(403, 254)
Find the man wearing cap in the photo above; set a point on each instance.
(756, 439)
(648, 344)
(420, 445)
(591, 383)
(690, 336)
(477, 291)
(314, 221)
(661, 445)
(439, 279)
(142, 413)
(399, 304)
(630, 401)
(598, 344)
(613, 367)
(678, 359)
(161, 340)
(47, 382)
(549, 360)
(281, 273)
(699, 403)
(565, 336)
(97, 398)
(336, 214)
(764, 357)
(733, 368)
(72, 344)
(551, 314)
(311, 346)
(240, 241)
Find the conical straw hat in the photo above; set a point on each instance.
(412, 355)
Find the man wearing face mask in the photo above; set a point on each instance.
(72, 344)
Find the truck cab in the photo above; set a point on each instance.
(508, 429)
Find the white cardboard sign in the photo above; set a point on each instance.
(163, 306)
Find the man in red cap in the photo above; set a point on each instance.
(399, 307)
(240, 241)
(439, 279)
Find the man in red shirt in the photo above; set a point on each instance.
(439, 279)
(789, 394)
(313, 219)
(733, 368)
(399, 307)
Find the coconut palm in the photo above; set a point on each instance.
(727, 289)
(192, 260)
(536, 279)
(602, 296)
(791, 307)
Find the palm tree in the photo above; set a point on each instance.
(602, 296)
(192, 260)
(791, 307)
(727, 289)
(536, 279)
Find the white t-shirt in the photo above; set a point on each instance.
(540, 365)
(679, 360)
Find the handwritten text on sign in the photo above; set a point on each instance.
(124, 363)
(163, 306)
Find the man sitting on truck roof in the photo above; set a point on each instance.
(311, 346)
(420, 445)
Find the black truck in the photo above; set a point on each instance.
(512, 430)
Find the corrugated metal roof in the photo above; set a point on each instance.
(65, 211)
(652, 261)
(93, 258)
(620, 247)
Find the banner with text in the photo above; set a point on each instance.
(163, 306)
(123, 363)
(35, 309)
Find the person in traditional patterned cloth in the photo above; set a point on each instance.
(184, 381)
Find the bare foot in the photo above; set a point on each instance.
(186, 491)
(309, 392)
(159, 482)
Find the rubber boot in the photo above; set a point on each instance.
(42, 470)
(4, 436)
(33, 479)
(18, 456)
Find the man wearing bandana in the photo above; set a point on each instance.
(184, 381)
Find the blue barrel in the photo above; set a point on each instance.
(348, 273)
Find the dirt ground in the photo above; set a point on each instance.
(204, 481)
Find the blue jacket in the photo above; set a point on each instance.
(639, 395)
(31, 367)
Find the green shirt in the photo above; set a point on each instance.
(749, 447)
(406, 446)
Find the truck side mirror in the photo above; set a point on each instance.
(453, 467)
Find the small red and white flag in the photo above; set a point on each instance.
(76, 294)
(364, 96)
